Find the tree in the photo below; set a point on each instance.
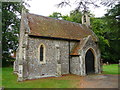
(107, 29)
(11, 12)
(109, 3)
(75, 16)
(113, 23)
(84, 5)
(99, 26)
(56, 15)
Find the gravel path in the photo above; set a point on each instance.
(99, 81)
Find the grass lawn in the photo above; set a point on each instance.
(0, 77)
(110, 69)
(9, 80)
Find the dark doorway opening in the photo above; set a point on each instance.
(89, 62)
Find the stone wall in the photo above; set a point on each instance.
(21, 51)
(90, 44)
(77, 63)
(36, 69)
(53, 49)
(56, 54)
(74, 61)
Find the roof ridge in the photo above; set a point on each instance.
(56, 19)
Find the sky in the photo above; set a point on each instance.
(47, 7)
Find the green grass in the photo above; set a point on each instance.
(110, 69)
(9, 80)
(0, 77)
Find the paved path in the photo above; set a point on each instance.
(99, 81)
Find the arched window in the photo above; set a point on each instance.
(41, 54)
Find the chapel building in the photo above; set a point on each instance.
(52, 47)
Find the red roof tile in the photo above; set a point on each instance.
(50, 27)
(79, 45)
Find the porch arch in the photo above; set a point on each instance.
(90, 61)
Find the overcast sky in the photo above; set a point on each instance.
(47, 7)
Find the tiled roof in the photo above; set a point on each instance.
(50, 27)
(75, 49)
(79, 46)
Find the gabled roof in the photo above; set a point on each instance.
(79, 46)
(50, 27)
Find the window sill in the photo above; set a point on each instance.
(42, 63)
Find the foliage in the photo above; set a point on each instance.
(56, 15)
(10, 29)
(113, 22)
(107, 29)
(113, 34)
(75, 16)
(9, 80)
(110, 69)
(99, 26)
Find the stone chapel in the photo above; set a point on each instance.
(51, 47)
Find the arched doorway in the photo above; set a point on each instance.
(89, 62)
